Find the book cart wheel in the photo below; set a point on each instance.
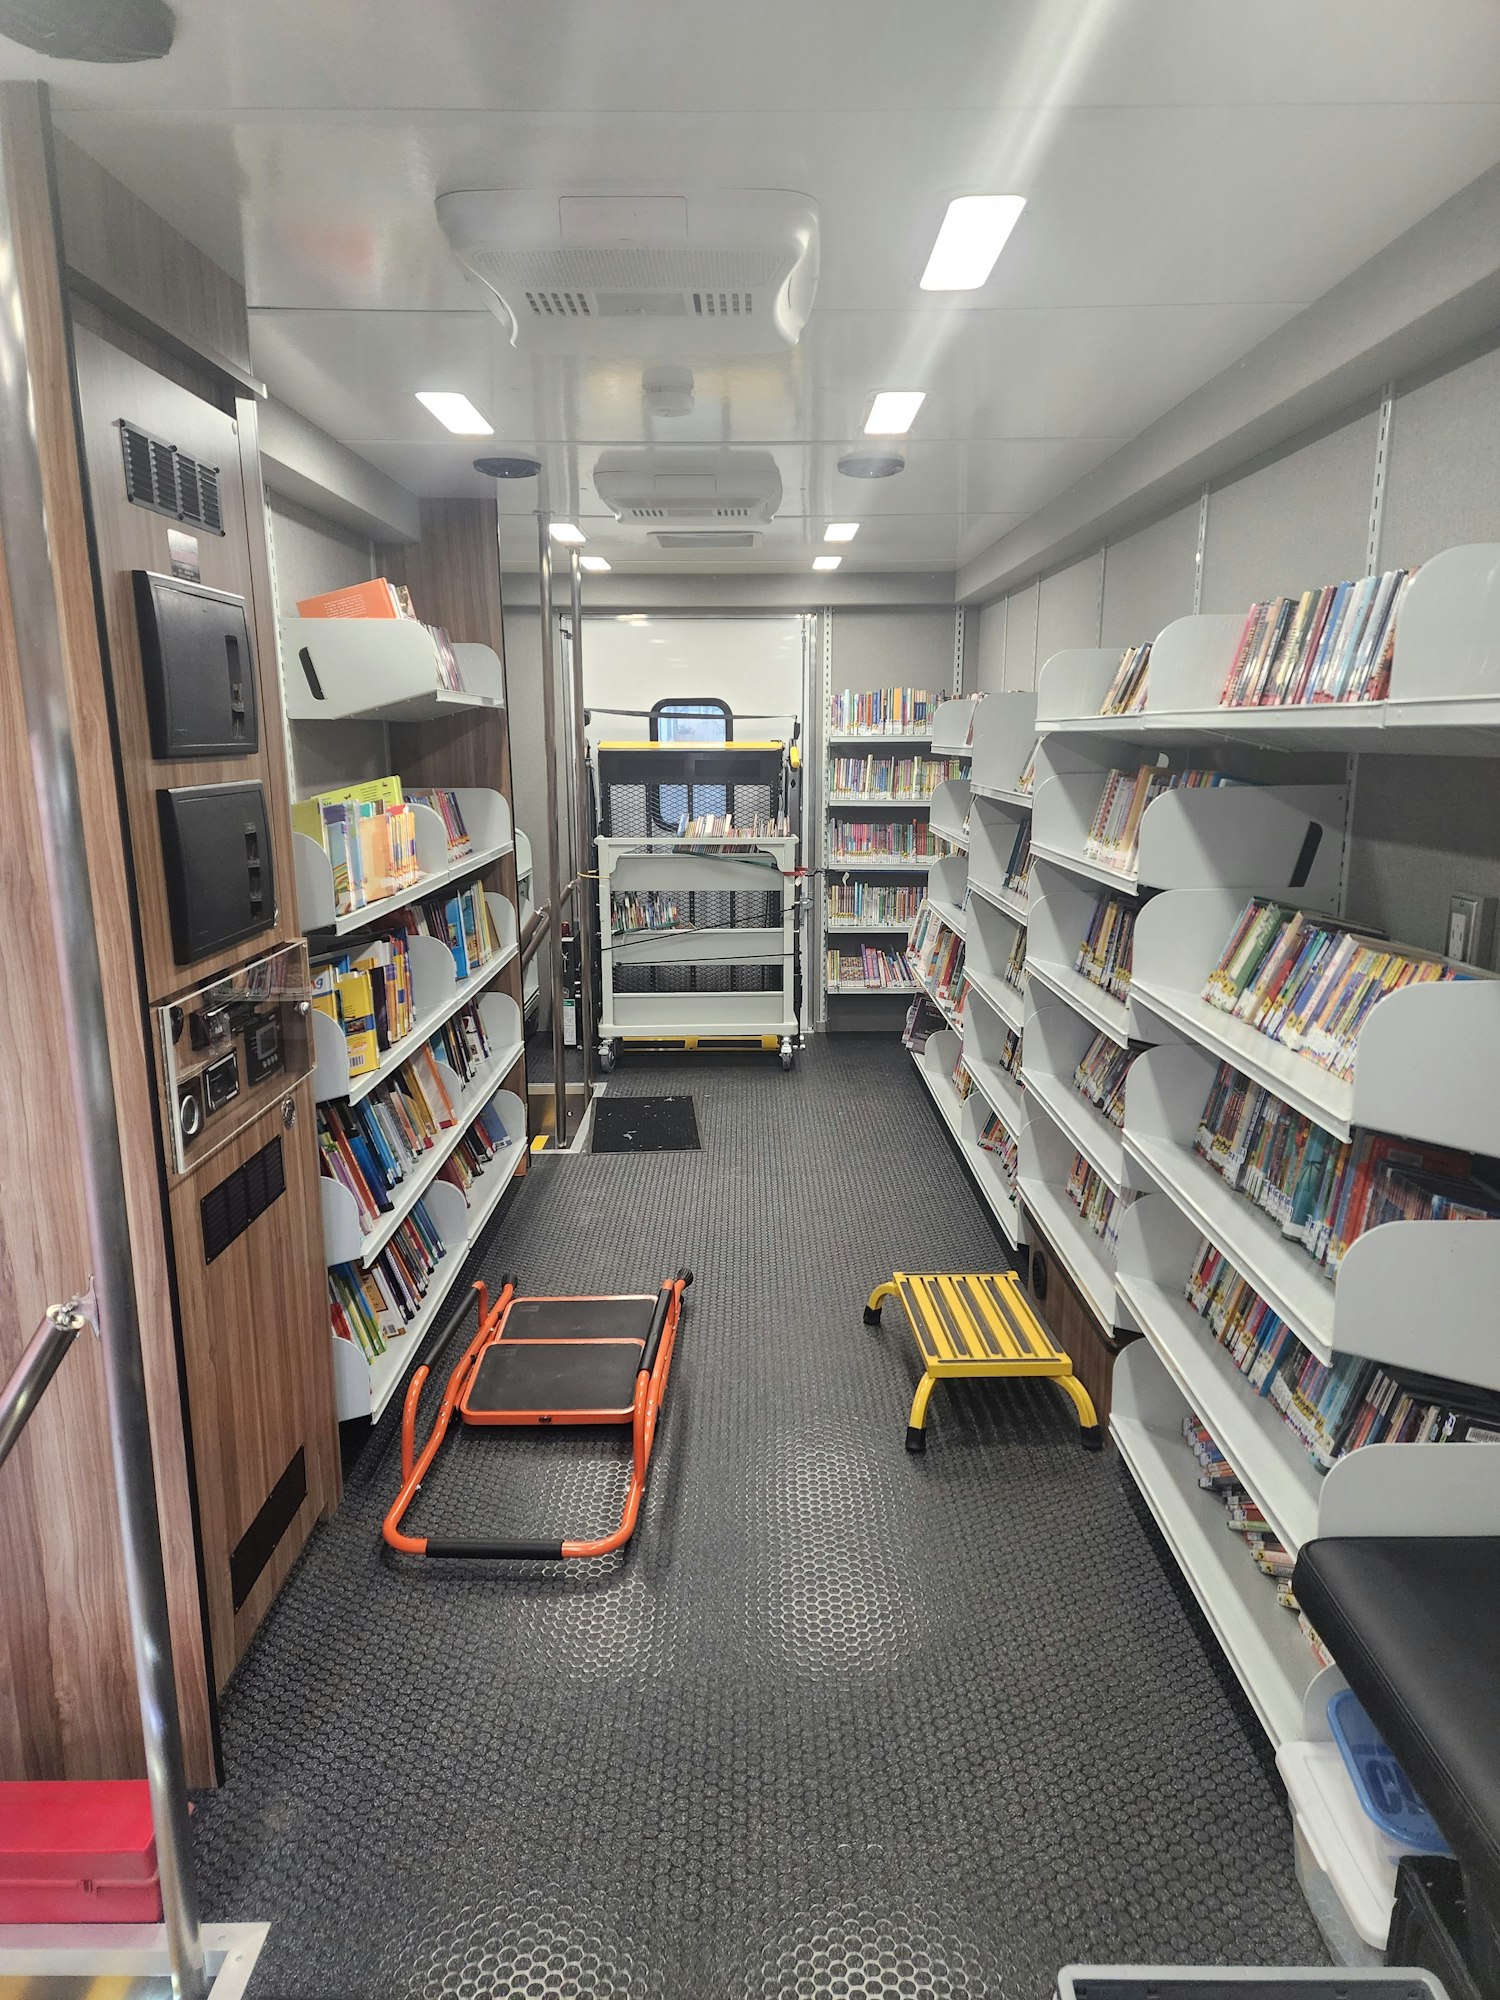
(606, 1056)
(788, 1053)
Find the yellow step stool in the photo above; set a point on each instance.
(978, 1323)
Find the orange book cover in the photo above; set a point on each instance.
(375, 599)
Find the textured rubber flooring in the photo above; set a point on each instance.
(842, 1722)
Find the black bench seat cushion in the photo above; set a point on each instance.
(1415, 1627)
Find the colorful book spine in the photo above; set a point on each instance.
(1309, 983)
(1335, 644)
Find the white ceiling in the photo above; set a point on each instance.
(1196, 172)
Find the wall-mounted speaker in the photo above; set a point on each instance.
(216, 855)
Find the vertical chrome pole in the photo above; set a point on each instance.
(25, 541)
(554, 856)
(586, 898)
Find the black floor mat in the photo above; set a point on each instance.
(645, 1125)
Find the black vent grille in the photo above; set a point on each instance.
(159, 476)
(551, 304)
(228, 1210)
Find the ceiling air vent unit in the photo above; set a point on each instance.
(705, 538)
(650, 275)
(688, 488)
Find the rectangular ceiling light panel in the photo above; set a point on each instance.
(893, 412)
(456, 411)
(974, 232)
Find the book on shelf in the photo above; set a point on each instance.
(963, 1083)
(373, 1306)
(1114, 834)
(923, 1019)
(1026, 783)
(1017, 876)
(881, 710)
(734, 826)
(1308, 982)
(1330, 645)
(1001, 1144)
(1104, 955)
(1100, 1077)
(936, 952)
(1243, 1517)
(1096, 1201)
(443, 800)
(871, 968)
(1014, 973)
(874, 903)
(1126, 693)
(1323, 1193)
(367, 990)
(889, 840)
(370, 837)
(1010, 1053)
(645, 910)
(376, 599)
(463, 921)
(914, 778)
(1333, 1407)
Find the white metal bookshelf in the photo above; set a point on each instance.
(344, 1240)
(1379, 1304)
(438, 994)
(897, 807)
(487, 818)
(380, 670)
(1408, 1295)
(390, 671)
(364, 1387)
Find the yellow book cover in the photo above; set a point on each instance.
(357, 1007)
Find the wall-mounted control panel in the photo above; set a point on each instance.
(230, 1048)
(198, 669)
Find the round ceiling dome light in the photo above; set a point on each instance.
(95, 31)
(871, 464)
(512, 466)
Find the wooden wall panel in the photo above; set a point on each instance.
(255, 1342)
(1070, 1321)
(137, 266)
(69, 1706)
(113, 385)
(253, 1325)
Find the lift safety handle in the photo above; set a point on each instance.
(499, 1551)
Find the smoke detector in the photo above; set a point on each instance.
(663, 275)
(684, 488)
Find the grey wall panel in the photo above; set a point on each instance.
(1298, 522)
(894, 648)
(1425, 828)
(1068, 608)
(1148, 579)
(314, 554)
(984, 649)
(1442, 486)
(1020, 638)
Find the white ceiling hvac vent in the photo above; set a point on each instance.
(679, 487)
(708, 538)
(648, 275)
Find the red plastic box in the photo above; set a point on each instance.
(78, 1853)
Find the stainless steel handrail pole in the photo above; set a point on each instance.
(25, 542)
(28, 1380)
(554, 855)
(587, 911)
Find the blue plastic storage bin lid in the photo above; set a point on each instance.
(1383, 1788)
